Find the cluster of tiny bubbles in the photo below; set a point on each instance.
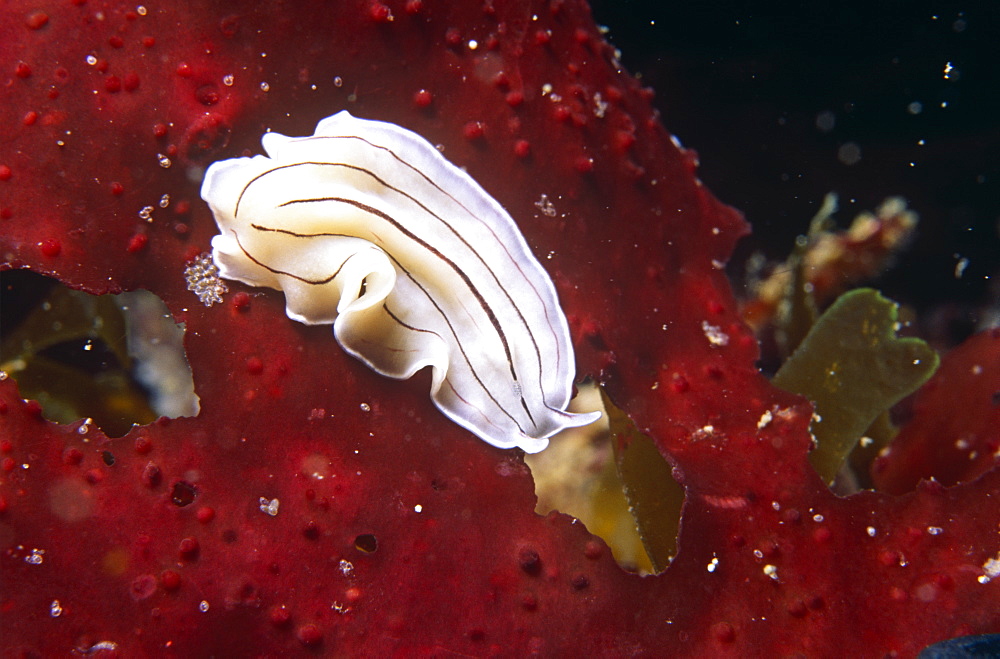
(545, 205)
(269, 506)
(202, 278)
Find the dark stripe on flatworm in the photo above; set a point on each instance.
(454, 231)
(317, 282)
(430, 297)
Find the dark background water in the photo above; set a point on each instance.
(746, 84)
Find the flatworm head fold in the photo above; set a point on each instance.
(367, 226)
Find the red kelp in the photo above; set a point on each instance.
(313, 504)
(954, 435)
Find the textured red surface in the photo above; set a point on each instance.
(954, 435)
(134, 537)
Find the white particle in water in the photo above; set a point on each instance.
(545, 205)
(871, 531)
(849, 153)
(960, 267)
(418, 508)
(935, 530)
(346, 568)
(714, 334)
(269, 506)
(36, 557)
(600, 106)
(712, 565)
(825, 121)
(765, 418)
(991, 569)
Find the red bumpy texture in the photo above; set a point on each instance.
(396, 532)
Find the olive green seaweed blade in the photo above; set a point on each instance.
(654, 497)
(853, 367)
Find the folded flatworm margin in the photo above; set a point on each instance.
(365, 225)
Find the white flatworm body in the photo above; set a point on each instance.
(365, 225)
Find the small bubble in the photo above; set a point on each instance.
(264, 87)
(91, 60)
(825, 121)
(365, 407)
(164, 201)
(338, 81)
(849, 153)
(141, 10)
(36, 557)
(228, 79)
(163, 160)
(203, 606)
(146, 213)
(55, 609)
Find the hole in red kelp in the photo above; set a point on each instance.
(116, 360)
(366, 542)
(581, 474)
(183, 493)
